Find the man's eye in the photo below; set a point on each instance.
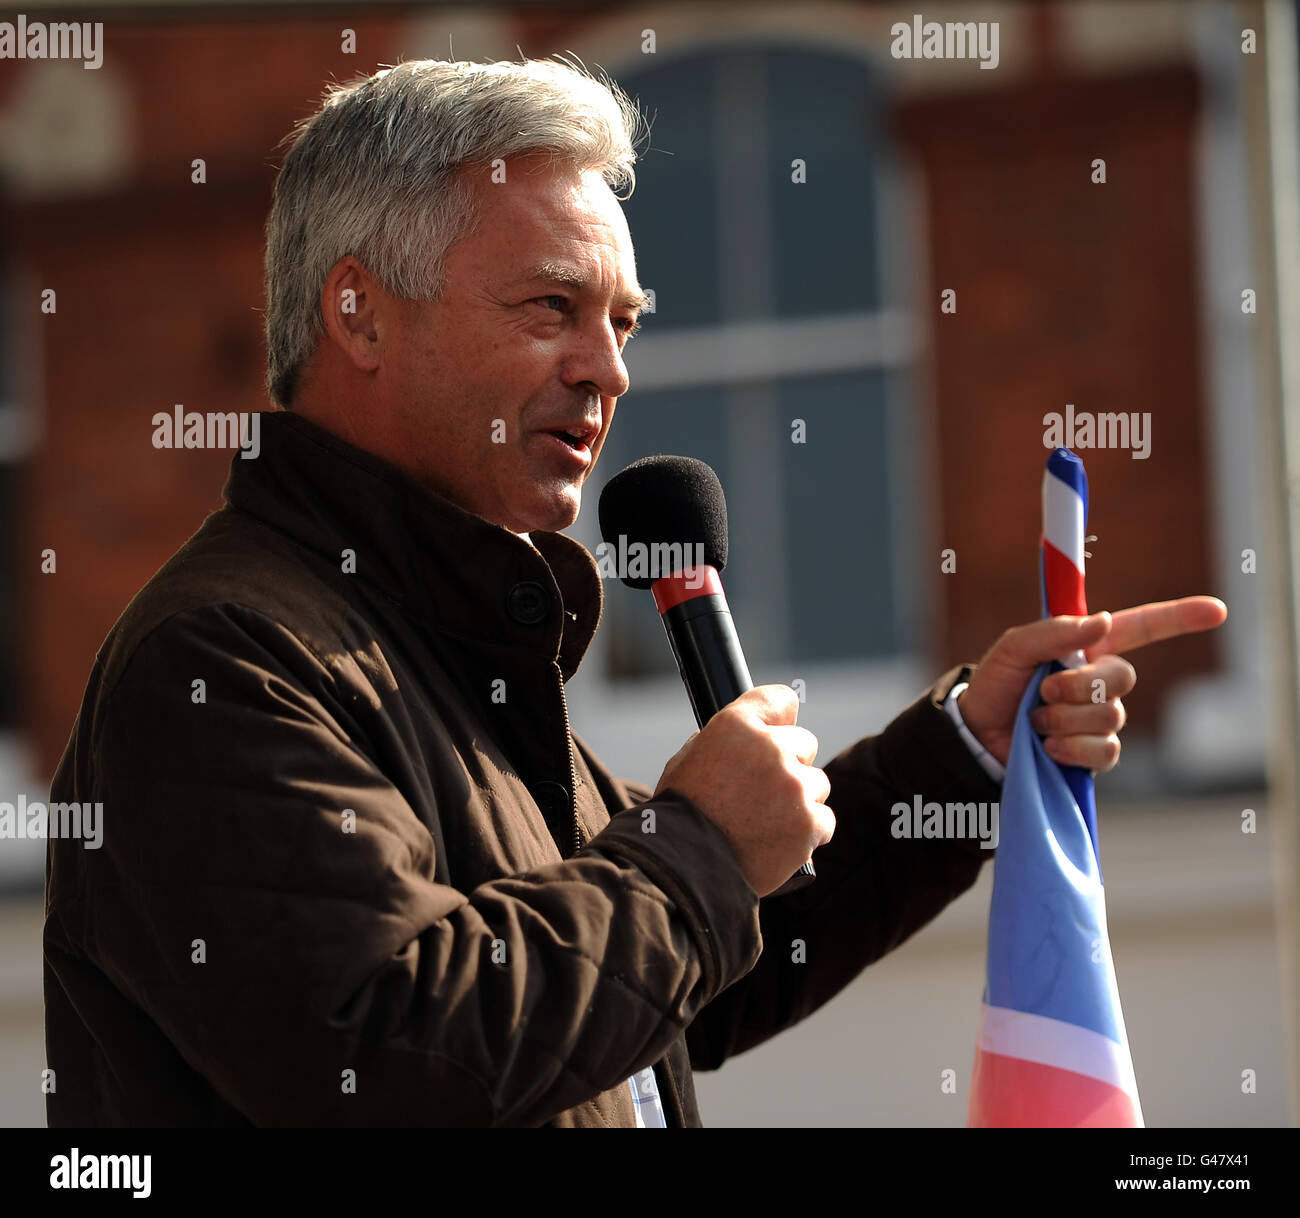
(558, 303)
(630, 326)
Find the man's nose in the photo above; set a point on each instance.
(596, 358)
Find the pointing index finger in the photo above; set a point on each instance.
(1158, 620)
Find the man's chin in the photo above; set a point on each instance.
(553, 512)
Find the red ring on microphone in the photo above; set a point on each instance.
(674, 590)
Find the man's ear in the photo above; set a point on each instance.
(353, 306)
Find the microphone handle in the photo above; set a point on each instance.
(707, 650)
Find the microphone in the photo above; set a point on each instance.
(667, 519)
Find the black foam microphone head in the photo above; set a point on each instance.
(665, 500)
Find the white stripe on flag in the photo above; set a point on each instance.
(1063, 519)
(1053, 1042)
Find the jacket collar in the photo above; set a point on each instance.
(463, 574)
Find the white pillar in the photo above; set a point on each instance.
(1273, 140)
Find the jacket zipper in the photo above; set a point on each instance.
(573, 769)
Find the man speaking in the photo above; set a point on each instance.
(357, 869)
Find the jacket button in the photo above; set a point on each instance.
(528, 603)
(551, 797)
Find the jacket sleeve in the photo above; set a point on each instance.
(873, 890)
(262, 893)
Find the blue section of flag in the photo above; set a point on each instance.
(1065, 465)
(1048, 950)
(1079, 779)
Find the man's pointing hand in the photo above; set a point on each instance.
(1078, 730)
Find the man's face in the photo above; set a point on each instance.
(502, 391)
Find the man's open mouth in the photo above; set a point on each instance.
(579, 439)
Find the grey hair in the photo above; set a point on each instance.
(373, 174)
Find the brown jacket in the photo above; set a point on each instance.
(338, 881)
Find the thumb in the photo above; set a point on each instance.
(1026, 647)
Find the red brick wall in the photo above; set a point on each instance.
(159, 292)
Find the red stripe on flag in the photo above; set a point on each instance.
(1064, 584)
(1009, 1092)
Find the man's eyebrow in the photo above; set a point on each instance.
(571, 277)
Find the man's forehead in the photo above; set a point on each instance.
(549, 215)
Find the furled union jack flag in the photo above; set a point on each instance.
(1051, 1048)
